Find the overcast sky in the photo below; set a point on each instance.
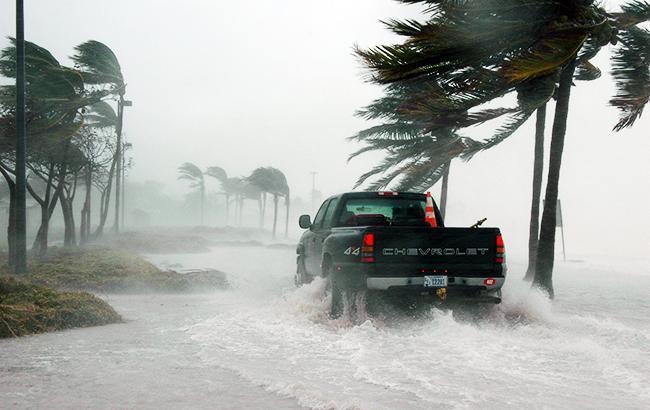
(274, 83)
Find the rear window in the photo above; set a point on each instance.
(382, 211)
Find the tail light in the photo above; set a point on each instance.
(368, 248)
(501, 250)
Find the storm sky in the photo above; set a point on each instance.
(274, 83)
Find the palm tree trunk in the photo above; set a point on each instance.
(69, 236)
(443, 191)
(227, 209)
(241, 210)
(106, 199)
(538, 171)
(11, 225)
(263, 209)
(84, 229)
(202, 201)
(40, 242)
(287, 203)
(546, 246)
(275, 213)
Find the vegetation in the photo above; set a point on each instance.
(262, 181)
(468, 54)
(194, 175)
(105, 270)
(27, 309)
(272, 181)
(73, 133)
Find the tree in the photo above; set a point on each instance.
(477, 51)
(273, 181)
(194, 175)
(221, 176)
(55, 98)
(100, 67)
(96, 142)
(538, 169)
(419, 146)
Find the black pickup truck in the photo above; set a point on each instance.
(383, 242)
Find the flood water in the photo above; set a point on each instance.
(265, 344)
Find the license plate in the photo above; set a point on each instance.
(435, 281)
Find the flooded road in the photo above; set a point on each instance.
(265, 344)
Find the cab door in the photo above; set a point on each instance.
(321, 233)
(312, 260)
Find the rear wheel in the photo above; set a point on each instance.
(337, 305)
(301, 277)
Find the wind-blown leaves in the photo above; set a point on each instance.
(191, 173)
(631, 72)
(101, 115)
(98, 64)
(218, 173)
(633, 13)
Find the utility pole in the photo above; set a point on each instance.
(20, 213)
(313, 189)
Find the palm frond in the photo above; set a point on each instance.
(631, 72)
(98, 64)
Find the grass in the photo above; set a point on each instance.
(53, 295)
(27, 309)
(104, 270)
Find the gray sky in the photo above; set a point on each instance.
(274, 83)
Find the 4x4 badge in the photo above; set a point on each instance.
(352, 250)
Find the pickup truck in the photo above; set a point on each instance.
(385, 242)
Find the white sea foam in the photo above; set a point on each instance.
(528, 351)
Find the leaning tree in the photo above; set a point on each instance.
(273, 181)
(479, 51)
(100, 69)
(56, 96)
(194, 175)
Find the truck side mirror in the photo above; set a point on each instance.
(304, 221)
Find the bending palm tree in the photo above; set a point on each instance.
(274, 182)
(476, 51)
(99, 66)
(220, 175)
(194, 175)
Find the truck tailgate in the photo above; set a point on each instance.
(459, 251)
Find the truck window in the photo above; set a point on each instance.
(382, 211)
(328, 222)
(318, 219)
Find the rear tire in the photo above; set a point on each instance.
(301, 277)
(337, 305)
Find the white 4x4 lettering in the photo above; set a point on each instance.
(352, 250)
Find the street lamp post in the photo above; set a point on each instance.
(20, 212)
(127, 145)
(121, 103)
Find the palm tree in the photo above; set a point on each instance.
(221, 176)
(420, 144)
(273, 181)
(477, 51)
(99, 66)
(194, 175)
(56, 96)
